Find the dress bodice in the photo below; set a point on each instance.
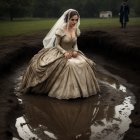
(67, 42)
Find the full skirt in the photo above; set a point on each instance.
(49, 72)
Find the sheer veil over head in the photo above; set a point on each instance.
(50, 37)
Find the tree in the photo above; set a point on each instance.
(54, 8)
(137, 7)
(15, 8)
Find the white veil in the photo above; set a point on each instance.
(48, 41)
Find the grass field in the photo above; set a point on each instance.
(24, 26)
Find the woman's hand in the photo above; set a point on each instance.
(68, 55)
(74, 54)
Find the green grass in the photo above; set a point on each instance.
(109, 22)
(8, 28)
(24, 26)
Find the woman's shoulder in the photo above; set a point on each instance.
(60, 32)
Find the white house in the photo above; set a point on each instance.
(105, 14)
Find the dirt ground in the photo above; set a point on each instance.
(122, 45)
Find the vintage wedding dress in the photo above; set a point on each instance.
(49, 72)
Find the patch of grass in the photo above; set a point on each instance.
(8, 28)
(108, 22)
(31, 25)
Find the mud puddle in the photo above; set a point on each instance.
(100, 117)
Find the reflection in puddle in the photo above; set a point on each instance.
(117, 126)
(118, 87)
(24, 129)
(111, 81)
(122, 88)
(89, 119)
(51, 135)
(96, 118)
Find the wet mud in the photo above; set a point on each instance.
(114, 114)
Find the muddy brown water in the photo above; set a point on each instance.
(104, 116)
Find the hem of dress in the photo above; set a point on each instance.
(72, 97)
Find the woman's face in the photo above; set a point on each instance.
(73, 20)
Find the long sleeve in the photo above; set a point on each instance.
(75, 47)
(57, 44)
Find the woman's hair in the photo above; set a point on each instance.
(70, 14)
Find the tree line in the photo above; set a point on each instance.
(54, 8)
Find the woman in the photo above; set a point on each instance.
(60, 70)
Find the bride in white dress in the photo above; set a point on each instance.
(60, 70)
